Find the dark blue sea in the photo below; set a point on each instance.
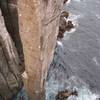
(76, 63)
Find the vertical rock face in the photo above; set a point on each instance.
(39, 23)
(10, 14)
(10, 78)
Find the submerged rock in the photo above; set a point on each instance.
(62, 95)
(65, 1)
(69, 25)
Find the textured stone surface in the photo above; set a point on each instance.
(10, 78)
(10, 15)
(39, 23)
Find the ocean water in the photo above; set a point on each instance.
(76, 63)
(73, 83)
(61, 77)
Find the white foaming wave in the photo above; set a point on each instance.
(98, 16)
(74, 17)
(59, 43)
(85, 94)
(68, 1)
(68, 34)
(77, 0)
(71, 31)
(73, 83)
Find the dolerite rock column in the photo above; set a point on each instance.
(39, 26)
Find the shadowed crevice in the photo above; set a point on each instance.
(10, 14)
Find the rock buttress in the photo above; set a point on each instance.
(39, 26)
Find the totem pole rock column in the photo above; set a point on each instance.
(38, 25)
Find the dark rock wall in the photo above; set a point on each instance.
(9, 10)
(10, 77)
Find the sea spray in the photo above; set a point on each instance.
(73, 83)
(61, 77)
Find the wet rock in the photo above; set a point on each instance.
(69, 25)
(63, 95)
(65, 1)
(62, 24)
(64, 14)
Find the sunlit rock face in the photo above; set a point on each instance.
(39, 25)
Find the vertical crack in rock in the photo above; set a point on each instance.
(10, 77)
(10, 14)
